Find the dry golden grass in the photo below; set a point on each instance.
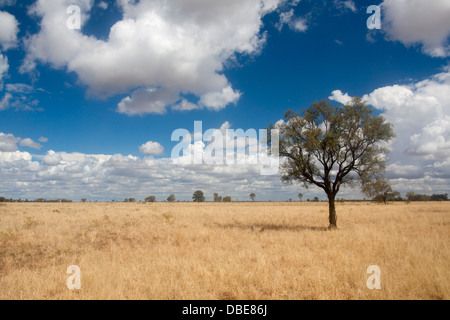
(209, 251)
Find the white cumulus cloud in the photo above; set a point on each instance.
(15, 156)
(151, 148)
(8, 142)
(52, 158)
(160, 49)
(420, 113)
(106, 177)
(340, 97)
(9, 27)
(30, 143)
(217, 100)
(422, 22)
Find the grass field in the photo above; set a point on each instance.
(210, 250)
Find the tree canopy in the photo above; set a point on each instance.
(331, 146)
(380, 190)
(198, 196)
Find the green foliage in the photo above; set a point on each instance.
(380, 190)
(3, 199)
(171, 198)
(198, 196)
(439, 197)
(217, 198)
(331, 146)
(412, 196)
(227, 199)
(328, 143)
(150, 199)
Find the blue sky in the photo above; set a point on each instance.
(78, 106)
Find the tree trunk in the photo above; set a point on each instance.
(332, 212)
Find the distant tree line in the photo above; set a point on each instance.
(218, 198)
(3, 199)
(199, 196)
(412, 196)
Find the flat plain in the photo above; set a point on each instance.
(232, 251)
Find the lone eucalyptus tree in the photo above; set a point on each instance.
(331, 146)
